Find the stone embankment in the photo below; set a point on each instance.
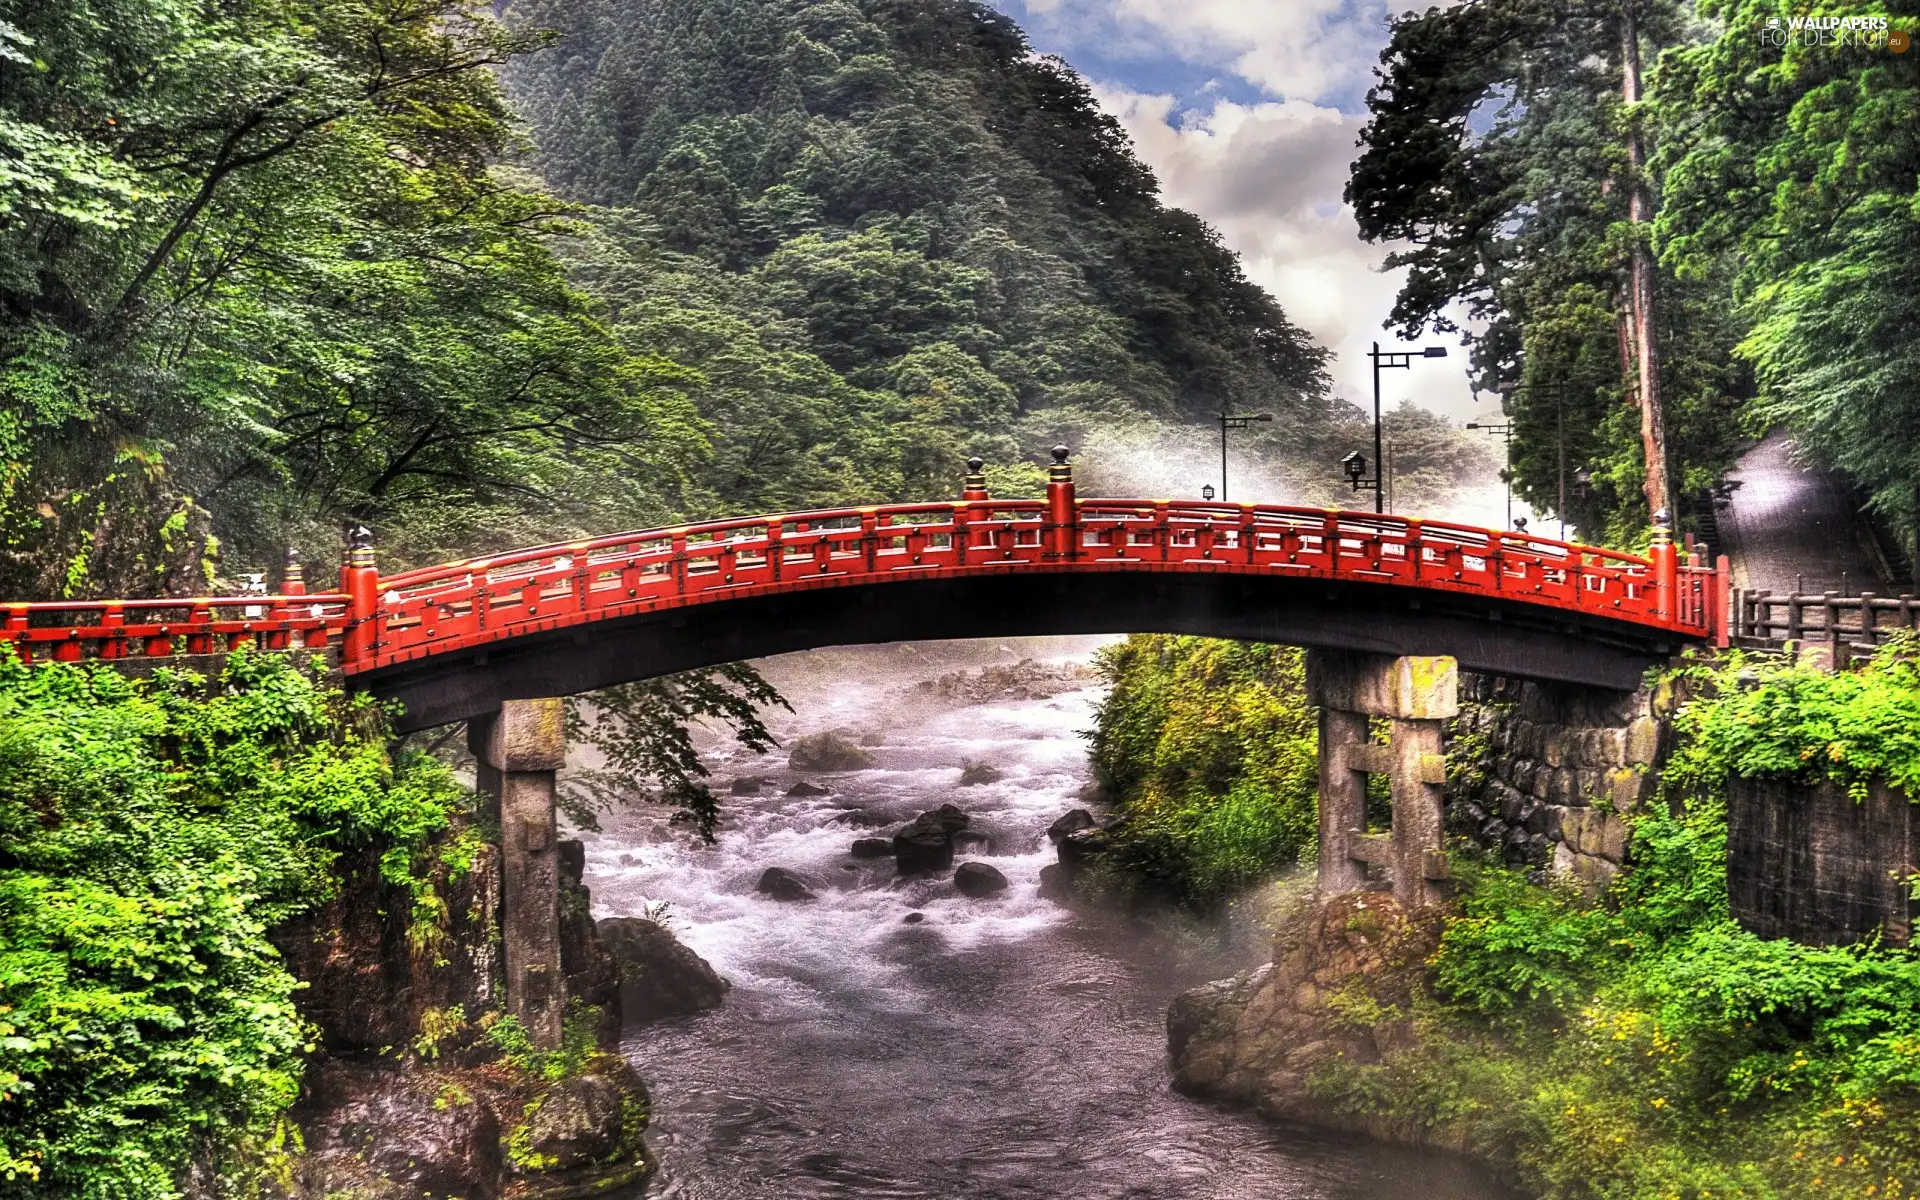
(417, 1093)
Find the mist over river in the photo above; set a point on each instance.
(998, 1049)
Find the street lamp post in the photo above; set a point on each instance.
(1233, 421)
(1504, 430)
(1388, 358)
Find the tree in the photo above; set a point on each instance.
(1498, 141)
(1801, 161)
(257, 278)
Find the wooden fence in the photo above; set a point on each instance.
(1862, 621)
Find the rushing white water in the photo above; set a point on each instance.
(994, 1048)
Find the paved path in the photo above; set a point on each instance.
(1791, 523)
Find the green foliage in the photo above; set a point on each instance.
(643, 732)
(1770, 718)
(151, 833)
(1799, 162)
(579, 1043)
(1518, 948)
(254, 269)
(1650, 1047)
(1209, 747)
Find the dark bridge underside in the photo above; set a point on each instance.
(1498, 637)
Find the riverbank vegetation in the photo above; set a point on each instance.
(1647, 1046)
(152, 833)
(1207, 748)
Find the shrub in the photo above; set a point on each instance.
(151, 832)
(1209, 747)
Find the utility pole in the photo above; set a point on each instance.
(1504, 431)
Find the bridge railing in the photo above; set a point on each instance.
(469, 604)
(384, 621)
(155, 630)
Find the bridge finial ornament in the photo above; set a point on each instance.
(974, 487)
(1060, 471)
(293, 580)
(360, 546)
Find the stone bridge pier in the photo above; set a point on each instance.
(518, 751)
(1417, 696)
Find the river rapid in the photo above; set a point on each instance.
(1005, 1049)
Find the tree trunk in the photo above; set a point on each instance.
(1644, 282)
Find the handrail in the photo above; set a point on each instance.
(384, 621)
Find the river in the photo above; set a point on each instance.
(1004, 1049)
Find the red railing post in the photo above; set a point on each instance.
(199, 629)
(113, 645)
(1062, 534)
(1666, 567)
(13, 627)
(292, 583)
(1722, 586)
(360, 580)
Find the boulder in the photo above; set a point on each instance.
(803, 788)
(1080, 849)
(1073, 822)
(913, 918)
(377, 1131)
(747, 785)
(827, 752)
(1053, 883)
(925, 844)
(973, 773)
(872, 847)
(1093, 793)
(783, 885)
(970, 839)
(978, 880)
(659, 977)
(578, 1122)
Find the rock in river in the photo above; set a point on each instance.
(873, 847)
(979, 880)
(578, 1122)
(659, 977)
(827, 752)
(782, 885)
(925, 844)
(1073, 822)
(803, 788)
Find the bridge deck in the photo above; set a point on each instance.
(394, 625)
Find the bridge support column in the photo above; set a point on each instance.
(1417, 695)
(1343, 800)
(519, 750)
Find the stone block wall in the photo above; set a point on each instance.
(1808, 862)
(1545, 776)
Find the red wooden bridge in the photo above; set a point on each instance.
(453, 641)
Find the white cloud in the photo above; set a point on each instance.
(1269, 177)
(1298, 49)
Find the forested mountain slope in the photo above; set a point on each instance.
(887, 234)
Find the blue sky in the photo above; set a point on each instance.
(1248, 111)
